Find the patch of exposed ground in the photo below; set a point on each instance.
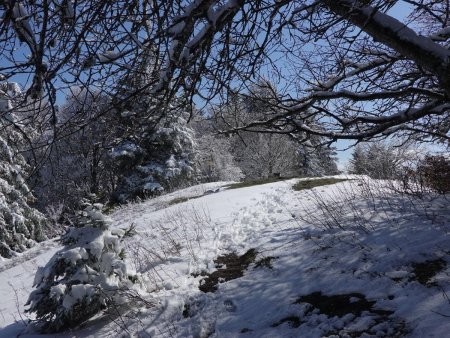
(356, 309)
(425, 271)
(340, 305)
(229, 267)
(252, 183)
(309, 184)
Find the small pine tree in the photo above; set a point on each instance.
(85, 277)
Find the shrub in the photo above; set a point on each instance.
(85, 277)
(435, 172)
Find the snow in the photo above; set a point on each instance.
(333, 81)
(57, 291)
(16, 282)
(405, 33)
(22, 25)
(110, 56)
(372, 253)
(177, 28)
(199, 36)
(153, 186)
(125, 150)
(77, 293)
(8, 92)
(20, 14)
(441, 35)
(73, 255)
(215, 14)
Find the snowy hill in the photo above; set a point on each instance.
(351, 259)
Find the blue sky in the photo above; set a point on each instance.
(400, 11)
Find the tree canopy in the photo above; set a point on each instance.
(350, 64)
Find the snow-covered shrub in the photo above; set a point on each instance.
(85, 277)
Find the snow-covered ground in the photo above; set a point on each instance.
(341, 260)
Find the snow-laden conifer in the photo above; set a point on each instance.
(157, 157)
(85, 277)
(20, 224)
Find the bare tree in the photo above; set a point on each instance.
(383, 160)
(357, 70)
(78, 164)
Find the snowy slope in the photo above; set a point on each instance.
(357, 243)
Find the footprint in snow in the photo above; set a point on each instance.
(229, 305)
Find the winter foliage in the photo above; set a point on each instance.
(158, 159)
(73, 160)
(317, 160)
(434, 172)
(154, 148)
(20, 224)
(85, 277)
(262, 155)
(214, 160)
(382, 160)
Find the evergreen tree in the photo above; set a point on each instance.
(317, 160)
(328, 160)
(85, 277)
(20, 224)
(155, 151)
(159, 157)
(358, 161)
